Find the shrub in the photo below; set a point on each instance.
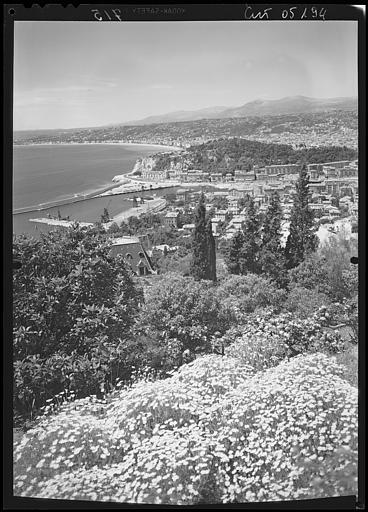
(179, 262)
(73, 307)
(304, 302)
(310, 274)
(330, 272)
(183, 312)
(265, 340)
(213, 432)
(345, 314)
(244, 294)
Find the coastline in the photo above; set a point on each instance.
(71, 200)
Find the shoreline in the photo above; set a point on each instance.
(99, 195)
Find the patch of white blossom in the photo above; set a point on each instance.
(215, 431)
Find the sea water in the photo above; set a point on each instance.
(44, 174)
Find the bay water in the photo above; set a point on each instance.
(45, 174)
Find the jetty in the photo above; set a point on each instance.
(60, 223)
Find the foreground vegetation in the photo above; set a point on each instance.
(218, 430)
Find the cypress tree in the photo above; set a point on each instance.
(250, 251)
(211, 251)
(302, 238)
(272, 258)
(200, 263)
(105, 217)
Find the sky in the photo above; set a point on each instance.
(81, 74)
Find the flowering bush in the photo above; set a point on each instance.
(264, 341)
(215, 431)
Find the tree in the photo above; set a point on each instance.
(232, 255)
(105, 217)
(272, 258)
(221, 203)
(73, 307)
(335, 201)
(250, 251)
(302, 239)
(182, 310)
(114, 228)
(245, 294)
(203, 250)
(211, 251)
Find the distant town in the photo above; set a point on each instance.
(307, 130)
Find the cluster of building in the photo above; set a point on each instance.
(336, 179)
(269, 172)
(331, 183)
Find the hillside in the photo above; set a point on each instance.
(228, 155)
(333, 127)
(288, 105)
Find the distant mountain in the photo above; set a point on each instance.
(288, 105)
(180, 115)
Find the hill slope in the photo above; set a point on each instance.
(288, 105)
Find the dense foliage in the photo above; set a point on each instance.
(244, 294)
(73, 307)
(227, 155)
(256, 247)
(182, 314)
